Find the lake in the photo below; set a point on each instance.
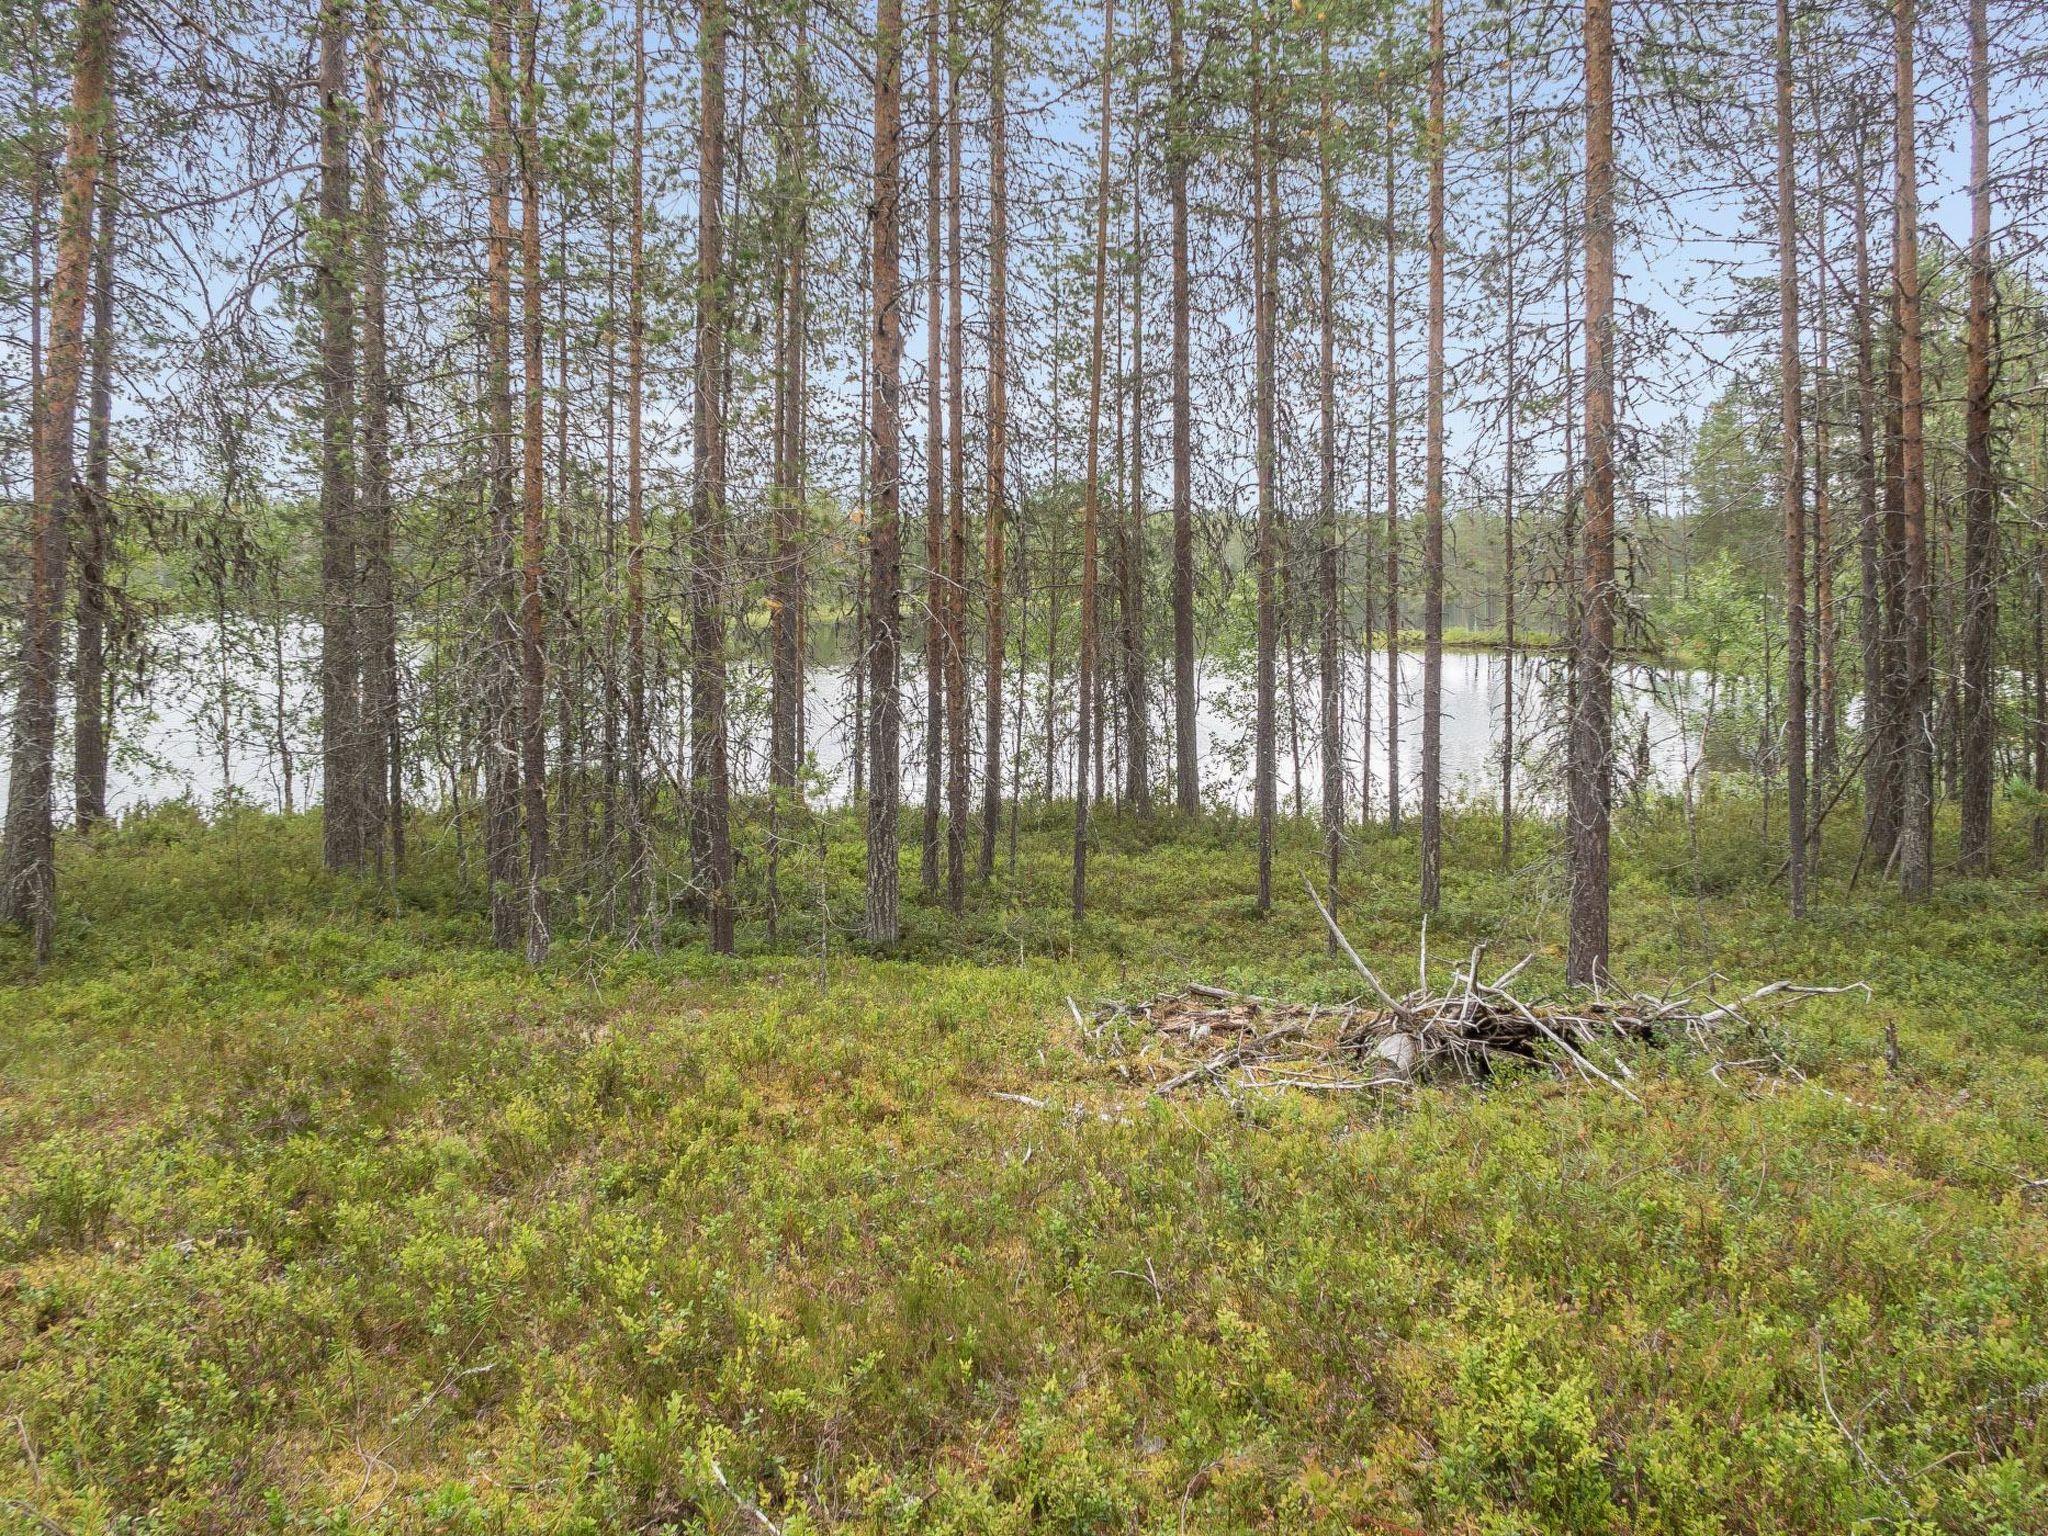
(210, 725)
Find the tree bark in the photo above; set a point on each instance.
(1591, 744)
(1509, 466)
(998, 439)
(1265, 280)
(378, 641)
(501, 705)
(1433, 507)
(1187, 778)
(709, 781)
(1791, 478)
(1330, 673)
(934, 469)
(533, 524)
(1880, 816)
(90, 728)
(1916, 832)
(1091, 489)
(1393, 550)
(1980, 492)
(884, 722)
(28, 866)
(334, 300)
(637, 889)
(1137, 715)
(956, 487)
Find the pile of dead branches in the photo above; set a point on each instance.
(1461, 1031)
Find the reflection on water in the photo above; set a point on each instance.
(206, 723)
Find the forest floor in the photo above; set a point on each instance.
(315, 1218)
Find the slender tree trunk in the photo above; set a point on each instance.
(1916, 853)
(533, 524)
(934, 468)
(1879, 806)
(334, 300)
(1827, 710)
(28, 864)
(1137, 718)
(1393, 550)
(1265, 300)
(90, 727)
(502, 752)
(956, 487)
(998, 438)
(2039, 835)
(1433, 509)
(884, 723)
(1187, 778)
(786, 664)
(1980, 492)
(710, 788)
(1328, 573)
(1091, 489)
(637, 887)
(379, 629)
(1591, 754)
(1791, 476)
(1509, 465)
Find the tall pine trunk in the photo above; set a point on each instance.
(956, 487)
(1187, 777)
(378, 638)
(28, 865)
(1091, 489)
(1433, 504)
(998, 440)
(1265, 298)
(1591, 766)
(1980, 509)
(710, 792)
(1916, 830)
(1330, 676)
(1509, 466)
(1393, 471)
(533, 524)
(334, 301)
(637, 885)
(934, 467)
(882, 596)
(1791, 477)
(90, 726)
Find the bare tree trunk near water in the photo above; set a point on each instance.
(1330, 673)
(1592, 728)
(1433, 502)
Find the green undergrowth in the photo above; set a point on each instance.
(314, 1217)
